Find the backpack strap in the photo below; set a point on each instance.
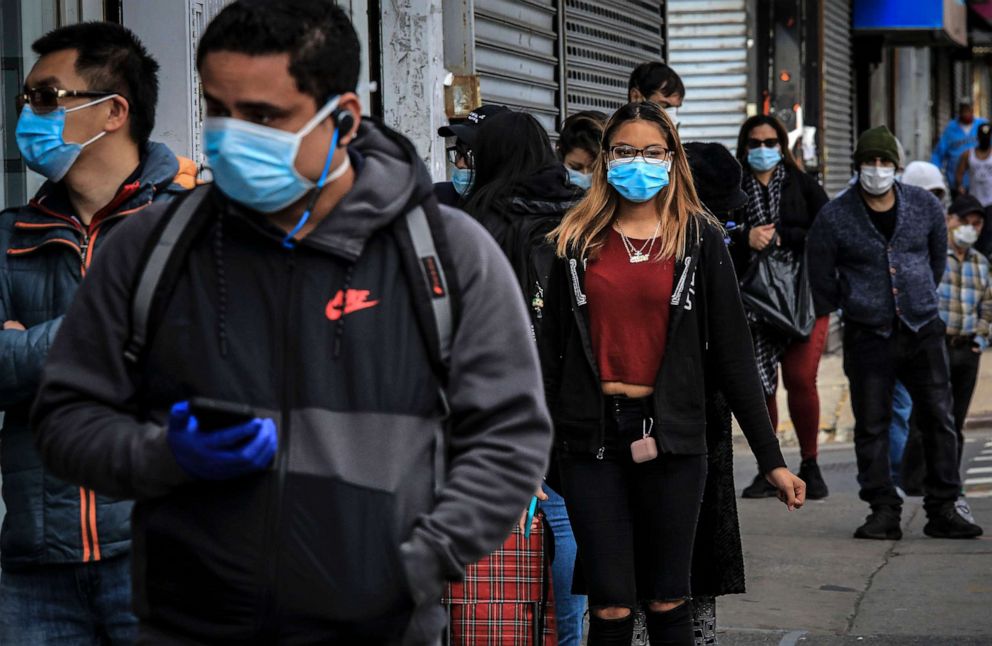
(424, 250)
(177, 222)
(434, 276)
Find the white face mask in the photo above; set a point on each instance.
(673, 114)
(877, 180)
(965, 236)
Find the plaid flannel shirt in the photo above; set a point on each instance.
(966, 296)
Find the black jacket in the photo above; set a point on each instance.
(44, 253)
(520, 223)
(345, 527)
(801, 200)
(709, 347)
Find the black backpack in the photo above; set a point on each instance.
(524, 242)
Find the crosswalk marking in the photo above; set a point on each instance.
(979, 470)
(983, 458)
(977, 481)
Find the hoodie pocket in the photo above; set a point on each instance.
(357, 483)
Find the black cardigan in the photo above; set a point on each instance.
(709, 347)
(802, 198)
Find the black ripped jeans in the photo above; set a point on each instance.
(634, 524)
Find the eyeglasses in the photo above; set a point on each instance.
(651, 154)
(460, 154)
(46, 99)
(758, 143)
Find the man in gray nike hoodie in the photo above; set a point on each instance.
(327, 518)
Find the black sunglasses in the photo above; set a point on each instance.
(46, 99)
(758, 143)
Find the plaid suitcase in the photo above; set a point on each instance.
(506, 599)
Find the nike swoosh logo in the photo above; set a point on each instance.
(343, 304)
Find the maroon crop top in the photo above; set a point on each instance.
(628, 312)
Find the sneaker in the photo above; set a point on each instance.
(882, 524)
(964, 511)
(809, 472)
(760, 488)
(946, 522)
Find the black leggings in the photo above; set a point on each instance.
(634, 524)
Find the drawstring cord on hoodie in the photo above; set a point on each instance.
(339, 328)
(218, 253)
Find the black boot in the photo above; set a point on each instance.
(882, 524)
(760, 488)
(809, 473)
(610, 632)
(671, 628)
(946, 522)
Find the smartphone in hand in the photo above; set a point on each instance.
(214, 414)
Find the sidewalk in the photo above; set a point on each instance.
(810, 582)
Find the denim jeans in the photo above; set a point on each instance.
(569, 608)
(902, 408)
(873, 364)
(72, 604)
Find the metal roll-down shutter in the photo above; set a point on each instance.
(707, 46)
(604, 41)
(516, 55)
(838, 95)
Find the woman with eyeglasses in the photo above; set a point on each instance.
(782, 201)
(642, 315)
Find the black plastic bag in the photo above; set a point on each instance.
(775, 290)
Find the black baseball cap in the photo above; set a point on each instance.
(966, 204)
(467, 129)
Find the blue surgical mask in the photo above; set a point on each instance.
(580, 179)
(638, 180)
(461, 179)
(763, 159)
(43, 147)
(255, 165)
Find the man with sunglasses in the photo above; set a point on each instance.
(85, 115)
(463, 133)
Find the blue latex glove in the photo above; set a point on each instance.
(224, 453)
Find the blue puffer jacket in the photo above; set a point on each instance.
(44, 253)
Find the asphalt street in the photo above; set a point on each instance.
(811, 583)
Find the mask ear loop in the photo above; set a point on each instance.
(288, 241)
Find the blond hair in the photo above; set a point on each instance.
(584, 228)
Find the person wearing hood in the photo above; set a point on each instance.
(369, 467)
(960, 136)
(578, 145)
(782, 205)
(86, 112)
(462, 133)
(879, 252)
(520, 194)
